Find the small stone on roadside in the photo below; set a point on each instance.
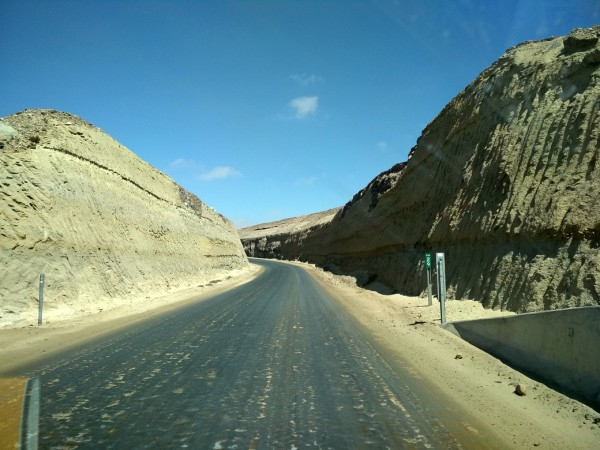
(521, 389)
(458, 357)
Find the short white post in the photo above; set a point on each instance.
(41, 298)
(428, 267)
(441, 284)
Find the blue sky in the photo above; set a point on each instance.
(264, 109)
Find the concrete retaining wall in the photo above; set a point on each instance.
(559, 347)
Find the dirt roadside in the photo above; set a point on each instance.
(474, 380)
(26, 344)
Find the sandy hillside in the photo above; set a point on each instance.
(104, 226)
(504, 181)
(279, 239)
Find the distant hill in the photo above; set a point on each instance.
(504, 181)
(100, 222)
(282, 239)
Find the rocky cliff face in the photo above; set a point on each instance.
(101, 223)
(504, 182)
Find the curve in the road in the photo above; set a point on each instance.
(275, 363)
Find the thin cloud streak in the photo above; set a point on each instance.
(305, 79)
(305, 182)
(182, 163)
(219, 173)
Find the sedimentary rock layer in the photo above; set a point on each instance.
(504, 181)
(97, 220)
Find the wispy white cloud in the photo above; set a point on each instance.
(304, 79)
(218, 173)
(304, 107)
(182, 163)
(382, 145)
(200, 171)
(305, 182)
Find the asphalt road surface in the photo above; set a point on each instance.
(275, 363)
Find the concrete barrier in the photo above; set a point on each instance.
(560, 348)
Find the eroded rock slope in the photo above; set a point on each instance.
(100, 222)
(505, 181)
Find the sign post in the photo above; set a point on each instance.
(41, 298)
(441, 284)
(428, 267)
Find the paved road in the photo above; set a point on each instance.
(271, 364)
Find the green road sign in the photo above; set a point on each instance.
(428, 260)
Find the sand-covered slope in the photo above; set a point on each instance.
(505, 181)
(101, 223)
(282, 239)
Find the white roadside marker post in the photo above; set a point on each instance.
(428, 267)
(41, 298)
(441, 284)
